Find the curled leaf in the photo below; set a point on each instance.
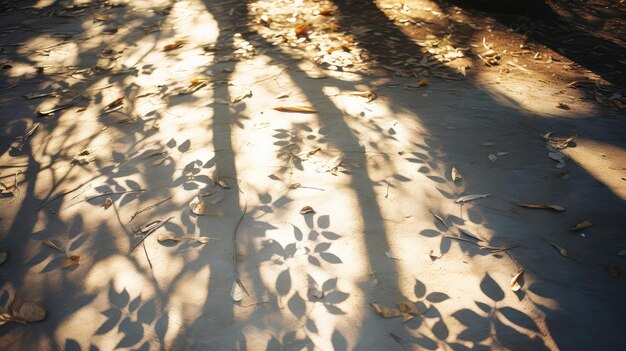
(198, 206)
(115, 104)
(581, 226)
(299, 109)
(561, 250)
(468, 198)
(53, 245)
(167, 236)
(238, 99)
(306, 209)
(176, 45)
(72, 261)
(408, 310)
(443, 221)
(385, 312)
(107, 202)
(542, 206)
(302, 30)
(515, 285)
(454, 174)
(223, 184)
(236, 292)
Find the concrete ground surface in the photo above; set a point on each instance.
(289, 175)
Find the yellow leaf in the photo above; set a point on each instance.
(300, 109)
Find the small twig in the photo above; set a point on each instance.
(106, 194)
(235, 253)
(56, 198)
(152, 230)
(146, 252)
(271, 77)
(148, 208)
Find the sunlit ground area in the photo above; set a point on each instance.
(307, 175)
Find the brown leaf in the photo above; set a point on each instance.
(71, 261)
(542, 206)
(307, 209)
(294, 186)
(27, 312)
(302, 30)
(299, 109)
(176, 45)
(197, 206)
(385, 311)
(312, 152)
(422, 82)
(558, 248)
(326, 12)
(5, 318)
(408, 310)
(53, 245)
(515, 285)
(115, 103)
(107, 202)
(580, 226)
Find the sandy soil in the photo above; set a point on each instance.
(204, 175)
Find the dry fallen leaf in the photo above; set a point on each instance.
(167, 236)
(71, 261)
(27, 312)
(83, 157)
(467, 198)
(3, 256)
(117, 103)
(238, 99)
(422, 82)
(558, 248)
(542, 206)
(107, 202)
(408, 310)
(223, 184)
(454, 174)
(294, 186)
(197, 206)
(312, 152)
(492, 157)
(236, 292)
(515, 285)
(53, 245)
(487, 143)
(176, 45)
(202, 239)
(326, 12)
(302, 31)
(282, 95)
(299, 109)
(385, 311)
(307, 209)
(100, 17)
(5, 318)
(581, 226)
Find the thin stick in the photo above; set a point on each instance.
(106, 194)
(56, 198)
(150, 232)
(148, 208)
(235, 253)
(146, 252)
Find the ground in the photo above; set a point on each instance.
(298, 174)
